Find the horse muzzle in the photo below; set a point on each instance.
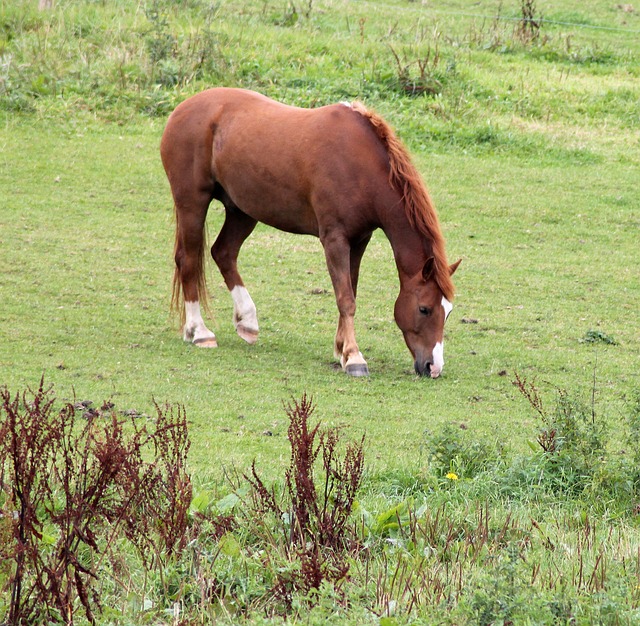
(431, 366)
(427, 369)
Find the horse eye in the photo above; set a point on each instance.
(425, 311)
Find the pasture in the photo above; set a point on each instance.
(528, 139)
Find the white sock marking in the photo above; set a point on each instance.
(194, 326)
(244, 310)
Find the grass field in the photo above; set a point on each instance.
(530, 144)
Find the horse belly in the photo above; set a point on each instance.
(273, 190)
(283, 209)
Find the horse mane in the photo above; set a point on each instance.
(419, 208)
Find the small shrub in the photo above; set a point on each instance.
(159, 41)
(572, 439)
(425, 80)
(498, 595)
(633, 424)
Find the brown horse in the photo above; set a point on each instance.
(337, 172)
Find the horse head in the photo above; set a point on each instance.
(420, 312)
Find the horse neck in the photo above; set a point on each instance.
(410, 248)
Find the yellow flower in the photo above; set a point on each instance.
(452, 476)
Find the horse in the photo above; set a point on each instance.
(336, 172)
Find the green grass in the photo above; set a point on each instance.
(530, 151)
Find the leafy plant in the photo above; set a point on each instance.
(597, 336)
(498, 595)
(425, 81)
(160, 41)
(452, 451)
(572, 438)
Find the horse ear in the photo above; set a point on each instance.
(454, 266)
(429, 268)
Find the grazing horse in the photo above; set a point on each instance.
(337, 172)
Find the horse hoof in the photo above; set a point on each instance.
(357, 369)
(355, 365)
(205, 342)
(249, 335)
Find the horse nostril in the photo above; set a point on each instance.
(422, 369)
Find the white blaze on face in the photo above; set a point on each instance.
(438, 360)
(244, 310)
(438, 350)
(447, 306)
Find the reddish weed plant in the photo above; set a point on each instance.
(71, 488)
(314, 509)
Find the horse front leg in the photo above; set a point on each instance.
(338, 256)
(236, 228)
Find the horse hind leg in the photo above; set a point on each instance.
(189, 275)
(236, 228)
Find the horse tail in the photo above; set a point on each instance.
(177, 301)
(419, 208)
(177, 294)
